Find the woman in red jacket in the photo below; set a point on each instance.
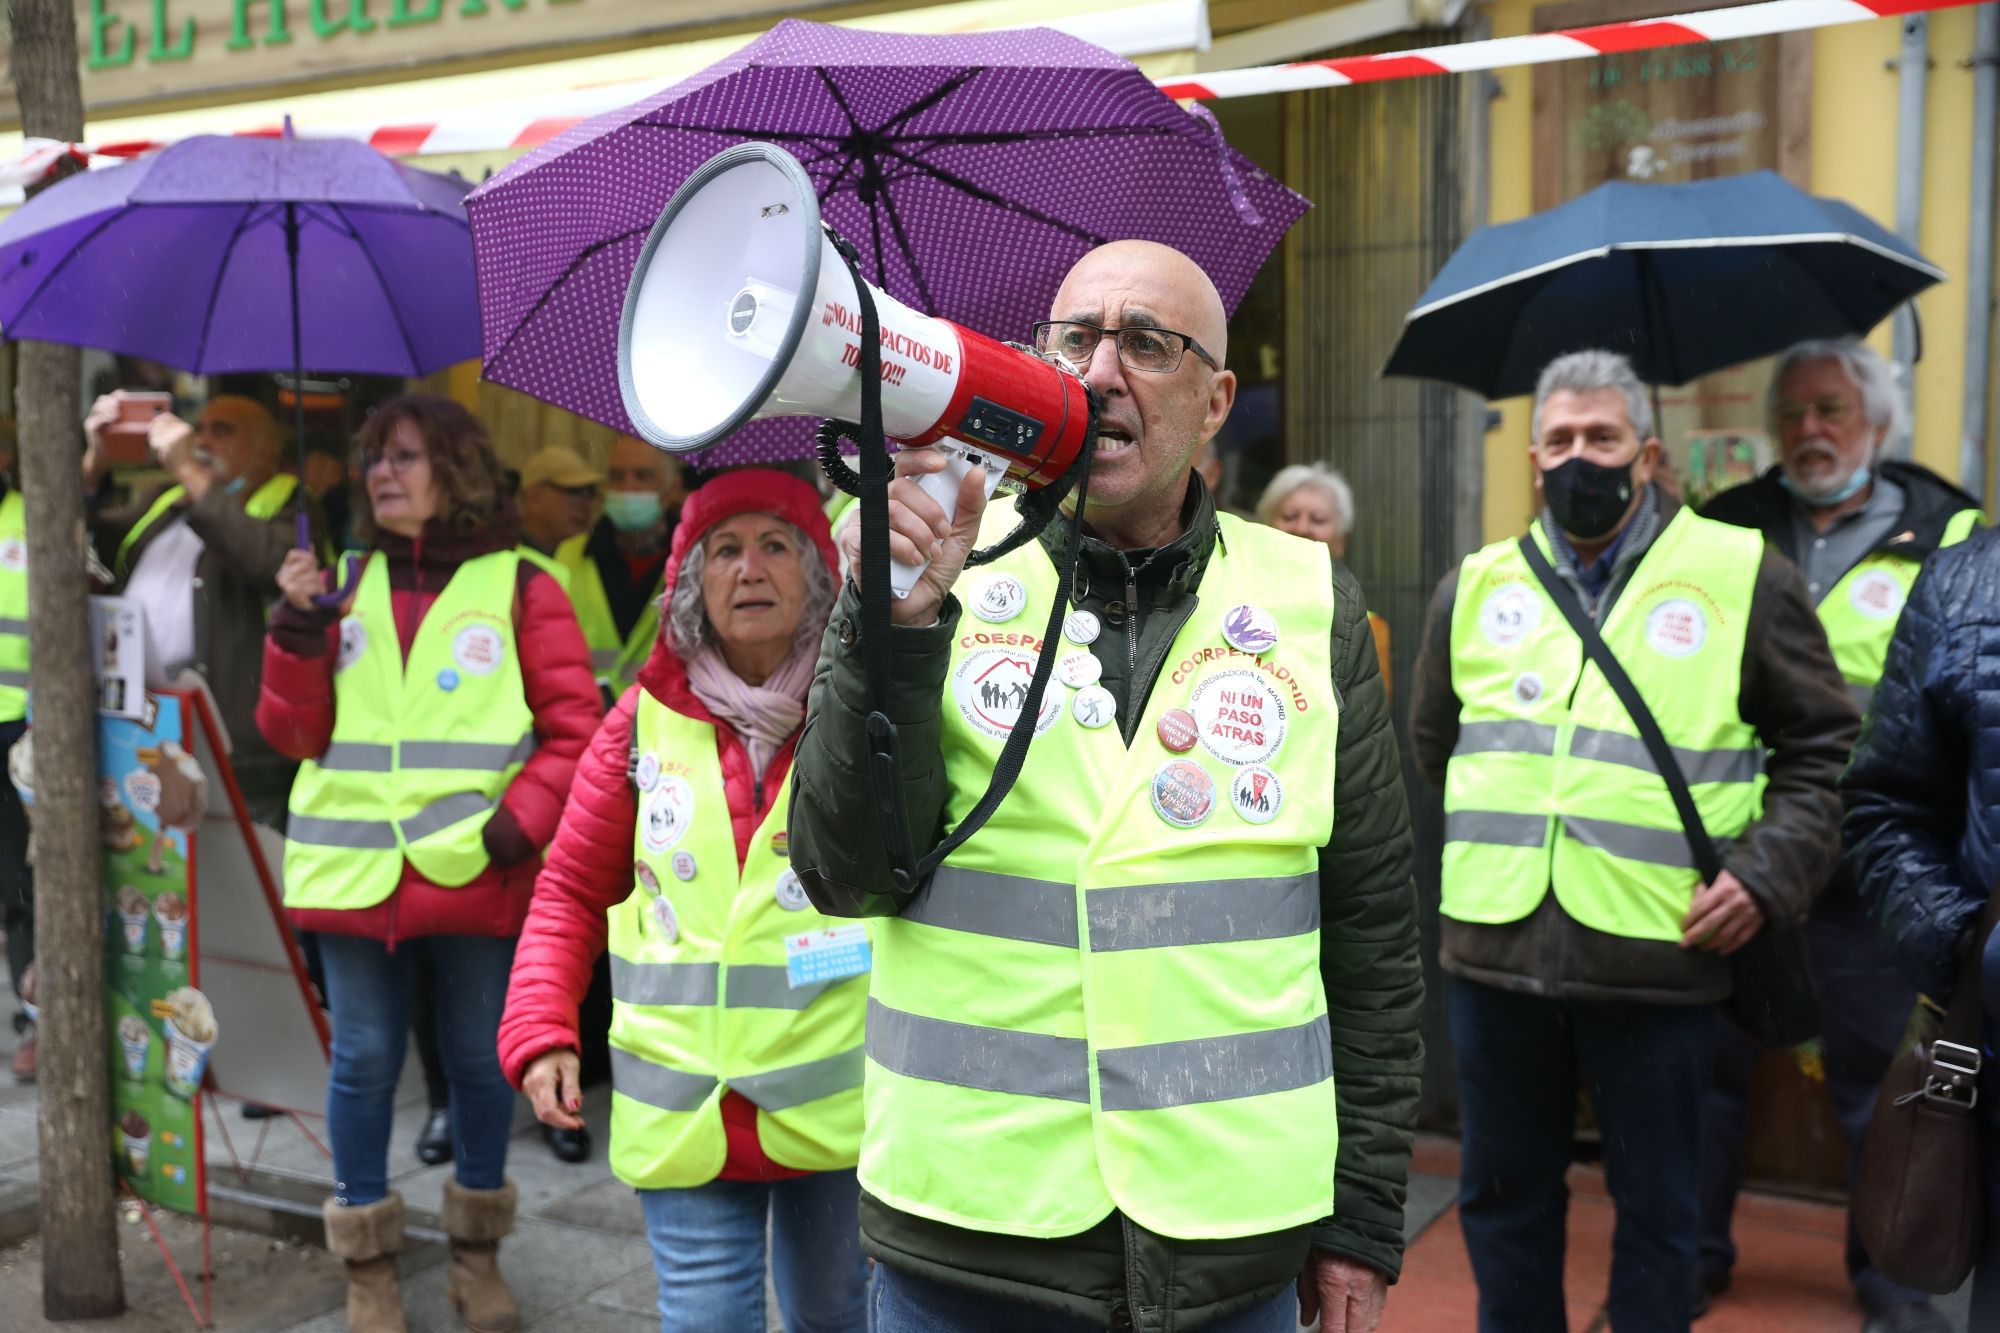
(438, 715)
(736, 1036)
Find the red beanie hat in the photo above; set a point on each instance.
(750, 490)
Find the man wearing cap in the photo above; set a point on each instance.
(201, 556)
(1580, 944)
(615, 567)
(1859, 526)
(559, 492)
(1144, 1051)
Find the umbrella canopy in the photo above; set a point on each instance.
(182, 258)
(1683, 279)
(970, 171)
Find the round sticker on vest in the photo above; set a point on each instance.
(1183, 793)
(668, 811)
(1256, 793)
(1081, 628)
(781, 843)
(791, 894)
(1676, 627)
(353, 643)
(1877, 595)
(1079, 669)
(648, 881)
(999, 599)
(664, 918)
(1094, 706)
(478, 649)
(683, 864)
(1508, 613)
(1250, 629)
(991, 687)
(648, 776)
(447, 680)
(1527, 687)
(1177, 730)
(1239, 716)
(13, 554)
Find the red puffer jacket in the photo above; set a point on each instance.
(295, 711)
(589, 866)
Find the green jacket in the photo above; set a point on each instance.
(1369, 951)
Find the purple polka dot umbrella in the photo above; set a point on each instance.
(970, 172)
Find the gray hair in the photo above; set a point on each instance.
(687, 625)
(1881, 396)
(1587, 372)
(1329, 483)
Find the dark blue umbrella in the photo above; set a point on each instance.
(1683, 279)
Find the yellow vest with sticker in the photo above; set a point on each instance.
(1110, 996)
(717, 980)
(1860, 611)
(421, 750)
(1549, 783)
(13, 607)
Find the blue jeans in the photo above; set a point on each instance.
(1519, 1061)
(368, 997)
(906, 1303)
(1864, 1007)
(708, 1253)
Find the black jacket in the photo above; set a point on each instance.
(1370, 964)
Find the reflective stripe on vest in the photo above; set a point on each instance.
(421, 752)
(709, 1004)
(1549, 783)
(1859, 612)
(13, 607)
(1087, 1007)
(264, 503)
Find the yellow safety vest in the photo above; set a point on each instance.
(264, 503)
(1860, 611)
(13, 607)
(421, 752)
(701, 999)
(1090, 1006)
(616, 661)
(1549, 783)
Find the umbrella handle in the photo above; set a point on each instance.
(349, 577)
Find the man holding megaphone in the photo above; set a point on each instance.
(1143, 1052)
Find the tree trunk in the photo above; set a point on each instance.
(80, 1276)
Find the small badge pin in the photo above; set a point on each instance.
(683, 864)
(1000, 599)
(791, 894)
(1177, 730)
(1183, 793)
(1079, 669)
(1250, 629)
(1094, 706)
(1080, 627)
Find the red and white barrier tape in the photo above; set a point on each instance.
(496, 129)
(1713, 25)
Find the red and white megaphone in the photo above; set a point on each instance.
(740, 308)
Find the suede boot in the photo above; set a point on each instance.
(476, 1220)
(367, 1239)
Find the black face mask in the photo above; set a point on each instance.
(1587, 498)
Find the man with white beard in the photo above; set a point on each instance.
(1859, 526)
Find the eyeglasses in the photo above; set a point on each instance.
(1140, 347)
(399, 460)
(1830, 411)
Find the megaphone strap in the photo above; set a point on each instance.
(872, 486)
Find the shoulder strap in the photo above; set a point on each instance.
(1706, 859)
(1963, 1017)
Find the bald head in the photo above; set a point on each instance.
(1153, 279)
(239, 434)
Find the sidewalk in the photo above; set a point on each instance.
(1790, 1277)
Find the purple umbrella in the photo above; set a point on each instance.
(969, 171)
(225, 253)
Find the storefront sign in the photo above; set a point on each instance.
(141, 51)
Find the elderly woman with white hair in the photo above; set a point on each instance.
(1313, 501)
(736, 1053)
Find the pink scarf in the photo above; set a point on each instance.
(766, 715)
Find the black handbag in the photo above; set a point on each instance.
(1771, 996)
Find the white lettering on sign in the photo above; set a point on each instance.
(1239, 716)
(1877, 595)
(1676, 627)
